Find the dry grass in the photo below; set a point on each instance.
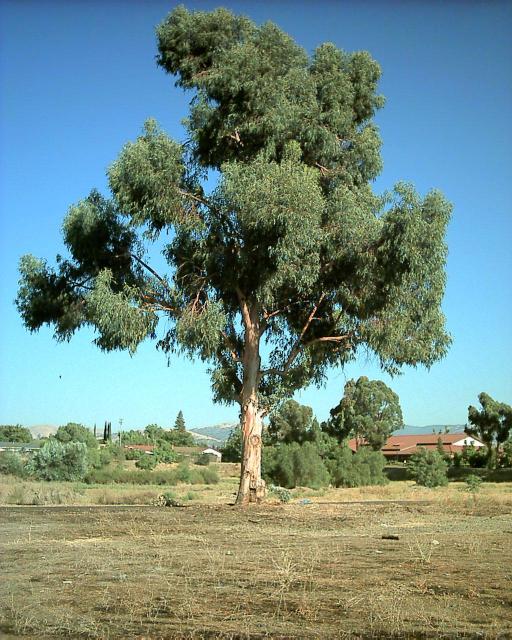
(295, 571)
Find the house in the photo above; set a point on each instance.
(400, 448)
(18, 447)
(144, 448)
(213, 454)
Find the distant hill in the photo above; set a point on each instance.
(216, 434)
(431, 428)
(43, 430)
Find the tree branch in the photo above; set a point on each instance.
(152, 271)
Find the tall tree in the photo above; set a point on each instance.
(293, 422)
(179, 424)
(369, 411)
(291, 248)
(492, 425)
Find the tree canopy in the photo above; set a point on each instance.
(492, 424)
(293, 422)
(74, 432)
(15, 433)
(291, 248)
(369, 411)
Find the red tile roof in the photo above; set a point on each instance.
(409, 444)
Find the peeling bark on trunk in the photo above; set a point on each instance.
(252, 486)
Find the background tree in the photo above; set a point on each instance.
(369, 411)
(293, 422)
(15, 433)
(291, 248)
(492, 425)
(74, 432)
(179, 424)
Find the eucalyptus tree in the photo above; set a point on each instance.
(288, 265)
(492, 425)
(369, 410)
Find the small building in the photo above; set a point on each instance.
(401, 448)
(213, 454)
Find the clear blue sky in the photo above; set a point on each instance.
(78, 79)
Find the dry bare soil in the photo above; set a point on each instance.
(279, 571)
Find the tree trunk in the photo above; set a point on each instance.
(252, 486)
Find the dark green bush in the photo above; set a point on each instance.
(146, 462)
(291, 465)
(428, 469)
(133, 454)
(360, 469)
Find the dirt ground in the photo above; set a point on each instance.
(304, 570)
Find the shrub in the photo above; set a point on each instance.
(11, 464)
(473, 483)
(282, 494)
(57, 461)
(360, 469)
(133, 454)
(210, 475)
(146, 462)
(292, 465)
(164, 452)
(15, 433)
(428, 469)
(203, 460)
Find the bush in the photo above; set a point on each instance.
(133, 454)
(57, 461)
(428, 469)
(282, 494)
(209, 475)
(473, 483)
(146, 462)
(203, 460)
(360, 469)
(164, 452)
(292, 465)
(12, 464)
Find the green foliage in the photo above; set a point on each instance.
(282, 494)
(164, 452)
(292, 465)
(133, 454)
(475, 457)
(74, 432)
(146, 462)
(293, 422)
(209, 475)
(232, 449)
(473, 483)
(429, 469)
(58, 461)
(134, 437)
(203, 460)
(492, 425)
(11, 464)
(179, 425)
(291, 240)
(15, 433)
(369, 410)
(360, 469)
(506, 456)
